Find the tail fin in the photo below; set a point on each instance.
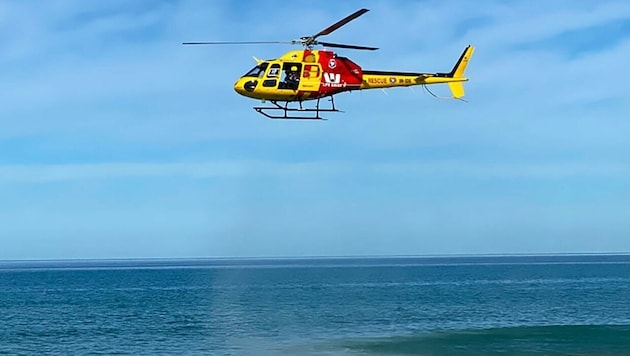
(457, 88)
(460, 67)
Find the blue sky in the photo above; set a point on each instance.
(117, 141)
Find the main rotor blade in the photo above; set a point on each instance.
(339, 45)
(340, 23)
(250, 42)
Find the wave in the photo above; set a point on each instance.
(525, 340)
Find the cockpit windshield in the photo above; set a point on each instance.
(257, 71)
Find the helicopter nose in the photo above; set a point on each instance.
(238, 87)
(245, 86)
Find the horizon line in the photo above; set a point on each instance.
(321, 257)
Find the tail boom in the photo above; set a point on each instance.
(455, 78)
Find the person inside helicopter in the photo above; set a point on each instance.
(292, 78)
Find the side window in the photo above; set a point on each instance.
(274, 71)
(311, 71)
(272, 76)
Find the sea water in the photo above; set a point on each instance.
(485, 305)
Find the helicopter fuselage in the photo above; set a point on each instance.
(312, 74)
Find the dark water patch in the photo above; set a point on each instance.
(530, 340)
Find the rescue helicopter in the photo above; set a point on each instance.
(310, 75)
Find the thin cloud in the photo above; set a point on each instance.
(293, 170)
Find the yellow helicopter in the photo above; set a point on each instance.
(310, 75)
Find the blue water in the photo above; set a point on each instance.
(577, 305)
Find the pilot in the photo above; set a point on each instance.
(293, 77)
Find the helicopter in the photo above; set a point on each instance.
(309, 74)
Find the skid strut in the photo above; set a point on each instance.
(285, 110)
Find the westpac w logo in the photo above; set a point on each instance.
(332, 78)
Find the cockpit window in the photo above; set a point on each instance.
(257, 71)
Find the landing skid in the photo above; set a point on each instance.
(285, 110)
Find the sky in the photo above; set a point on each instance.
(116, 141)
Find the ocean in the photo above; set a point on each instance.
(470, 305)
